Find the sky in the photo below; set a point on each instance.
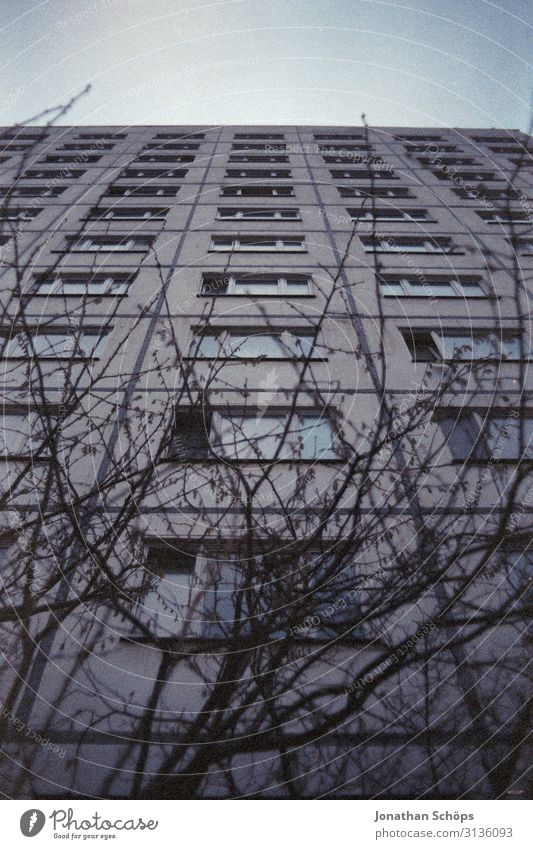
(459, 63)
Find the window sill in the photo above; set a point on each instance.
(234, 295)
(67, 251)
(446, 297)
(36, 358)
(23, 458)
(72, 295)
(421, 253)
(205, 644)
(260, 359)
(228, 461)
(255, 251)
(492, 461)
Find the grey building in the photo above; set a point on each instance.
(266, 419)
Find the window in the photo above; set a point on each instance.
(423, 148)
(54, 344)
(490, 194)
(431, 287)
(436, 159)
(143, 191)
(264, 435)
(152, 173)
(404, 244)
(259, 173)
(255, 213)
(165, 605)
(466, 176)
(281, 148)
(508, 148)
(31, 191)
(257, 191)
(338, 136)
(257, 243)
(360, 158)
(101, 136)
(171, 146)
(505, 217)
(487, 139)
(23, 137)
(475, 345)
(389, 214)
(364, 174)
(130, 213)
(258, 136)
(63, 174)
(11, 147)
(65, 157)
(83, 146)
(110, 243)
(248, 157)
(255, 344)
(83, 284)
(488, 434)
(164, 157)
(337, 149)
(525, 247)
(304, 436)
(23, 431)
(375, 191)
(188, 594)
(419, 138)
(180, 135)
(19, 214)
(517, 564)
(256, 284)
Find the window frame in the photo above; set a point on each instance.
(288, 337)
(66, 334)
(119, 243)
(212, 444)
(283, 282)
(392, 215)
(110, 280)
(427, 244)
(238, 244)
(473, 424)
(409, 292)
(252, 213)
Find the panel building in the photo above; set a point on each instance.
(266, 453)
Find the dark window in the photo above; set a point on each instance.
(190, 438)
(364, 174)
(248, 157)
(171, 146)
(64, 174)
(259, 173)
(257, 191)
(164, 157)
(152, 173)
(375, 191)
(259, 136)
(101, 136)
(488, 434)
(180, 135)
(79, 159)
(338, 136)
(31, 191)
(143, 191)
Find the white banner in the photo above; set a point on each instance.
(307, 824)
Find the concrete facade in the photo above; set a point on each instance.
(442, 250)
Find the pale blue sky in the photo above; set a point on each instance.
(402, 62)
